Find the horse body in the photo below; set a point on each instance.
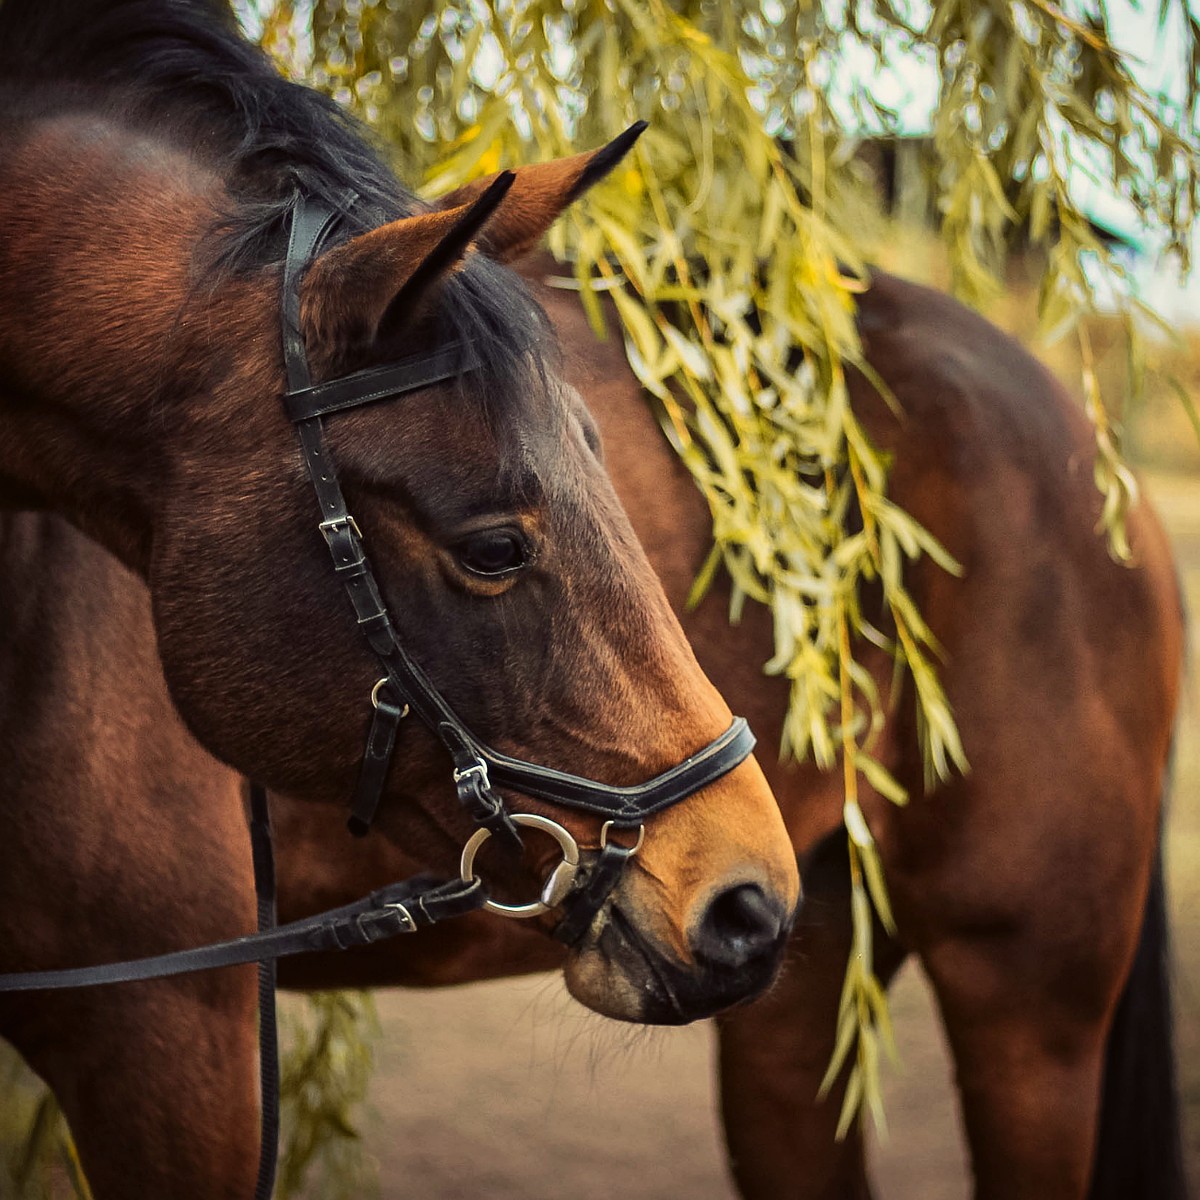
(1022, 887)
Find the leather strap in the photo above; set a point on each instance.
(381, 740)
(268, 1035)
(311, 225)
(379, 383)
(594, 883)
(626, 805)
(399, 908)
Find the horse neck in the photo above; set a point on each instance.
(96, 356)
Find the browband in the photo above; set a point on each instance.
(380, 383)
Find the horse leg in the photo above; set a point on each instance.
(1033, 1053)
(1028, 1069)
(158, 1082)
(774, 1054)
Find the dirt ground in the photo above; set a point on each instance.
(510, 1091)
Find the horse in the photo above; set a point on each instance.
(156, 176)
(1031, 890)
(1033, 902)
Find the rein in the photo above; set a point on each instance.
(579, 890)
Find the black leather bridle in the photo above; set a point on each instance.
(403, 687)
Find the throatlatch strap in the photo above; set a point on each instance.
(268, 1036)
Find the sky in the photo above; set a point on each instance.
(909, 85)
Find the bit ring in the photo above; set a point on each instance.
(557, 885)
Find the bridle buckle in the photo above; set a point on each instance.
(327, 527)
(408, 923)
(477, 769)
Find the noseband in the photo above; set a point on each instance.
(404, 687)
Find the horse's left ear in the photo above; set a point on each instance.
(365, 290)
(539, 194)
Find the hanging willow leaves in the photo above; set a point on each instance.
(323, 1083)
(733, 244)
(35, 1146)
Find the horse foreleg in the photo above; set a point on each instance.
(158, 1082)
(1029, 1068)
(774, 1054)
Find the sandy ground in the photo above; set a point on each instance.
(510, 1091)
(523, 1096)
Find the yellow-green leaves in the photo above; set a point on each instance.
(325, 1068)
(1035, 101)
(323, 1083)
(35, 1145)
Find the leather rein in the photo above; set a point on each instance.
(579, 891)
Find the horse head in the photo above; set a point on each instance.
(509, 573)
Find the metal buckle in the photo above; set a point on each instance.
(327, 527)
(557, 885)
(406, 918)
(479, 767)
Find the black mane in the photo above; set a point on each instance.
(184, 68)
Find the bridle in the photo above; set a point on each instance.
(477, 769)
(404, 687)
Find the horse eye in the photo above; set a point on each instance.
(493, 552)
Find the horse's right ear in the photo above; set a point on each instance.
(363, 291)
(539, 194)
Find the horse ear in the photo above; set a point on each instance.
(362, 291)
(539, 194)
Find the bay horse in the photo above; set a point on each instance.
(1033, 902)
(153, 174)
(1030, 891)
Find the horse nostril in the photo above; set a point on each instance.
(741, 924)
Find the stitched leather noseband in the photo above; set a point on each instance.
(477, 768)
